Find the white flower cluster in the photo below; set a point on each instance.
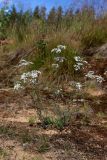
(61, 47)
(78, 59)
(79, 63)
(78, 85)
(78, 100)
(55, 65)
(92, 75)
(78, 66)
(18, 86)
(58, 49)
(99, 79)
(24, 63)
(28, 78)
(58, 59)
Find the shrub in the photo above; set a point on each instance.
(47, 121)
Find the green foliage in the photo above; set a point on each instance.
(4, 23)
(37, 63)
(31, 121)
(43, 148)
(6, 130)
(67, 66)
(40, 57)
(3, 130)
(62, 121)
(20, 29)
(47, 121)
(3, 153)
(43, 145)
(59, 123)
(81, 25)
(41, 46)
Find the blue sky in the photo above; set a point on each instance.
(30, 4)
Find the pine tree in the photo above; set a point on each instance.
(13, 15)
(43, 13)
(52, 16)
(68, 17)
(59, 16)
(36, 13)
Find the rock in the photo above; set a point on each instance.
(97, 51)
(102, 51)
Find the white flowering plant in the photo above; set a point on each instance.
(93, 76)
(23, 62)
(79, 63)
(30, 81)
(62, 61)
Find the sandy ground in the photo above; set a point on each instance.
(19, 141)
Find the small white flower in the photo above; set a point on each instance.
(56, 50)
(77, 67)
(34, 74)
(85, 62)
(33, 81)
(24, 63)
(79, 63)
(61, 47)
(78, 59)
(55, 66)
(78, 100)
(90, 74)
(99, 79)
(53, 50)
(57, 92)
(59, 59)
(18, 86)
(78, 85)
(30, 76)
(81, 100)
(24, 77)
(74, 100)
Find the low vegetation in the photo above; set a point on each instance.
(53, 87)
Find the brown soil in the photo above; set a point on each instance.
(19, 141)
